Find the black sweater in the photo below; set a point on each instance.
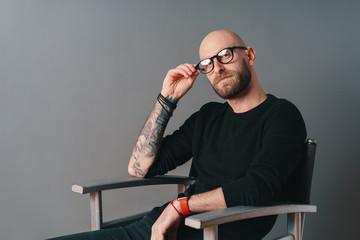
(250, 155)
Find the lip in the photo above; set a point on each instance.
(224, 78)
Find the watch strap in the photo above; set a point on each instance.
(184, 206)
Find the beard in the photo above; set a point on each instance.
(235, 86)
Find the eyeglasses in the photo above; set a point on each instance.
(224, 56)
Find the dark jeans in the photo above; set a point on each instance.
(139, 230)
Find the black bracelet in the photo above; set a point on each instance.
(162, 100)
(170, 114)
(167, 101)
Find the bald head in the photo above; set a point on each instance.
(217, 40)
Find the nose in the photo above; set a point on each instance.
(218, 66)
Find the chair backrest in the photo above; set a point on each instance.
(298, 186)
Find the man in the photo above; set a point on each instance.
(243, 150)
(234, 164)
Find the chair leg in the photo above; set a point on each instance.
(302, 224)
(211, 233)
(181, 188)
(294, 225)
(96, 210)
(286, 237)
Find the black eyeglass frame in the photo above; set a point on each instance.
(217, 57)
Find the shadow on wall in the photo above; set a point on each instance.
(344, 212)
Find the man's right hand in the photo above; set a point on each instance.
(179, 80)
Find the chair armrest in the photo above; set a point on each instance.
(203, 220)
(126, 182)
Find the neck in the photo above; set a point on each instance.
(249, 99)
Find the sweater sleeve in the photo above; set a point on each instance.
(175, 150)
(283, 139)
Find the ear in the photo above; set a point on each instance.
(251, 56)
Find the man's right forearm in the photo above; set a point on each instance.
(176, 83)
(149, 140)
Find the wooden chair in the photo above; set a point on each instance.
(297, 192)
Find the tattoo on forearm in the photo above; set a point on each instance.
(150, 137)
(137, 170)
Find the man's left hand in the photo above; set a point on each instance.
(168, 222)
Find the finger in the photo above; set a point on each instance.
(196, 70)
(195, 75)
(190, 69)
(179, 71)
(185, 69)
(156, 236)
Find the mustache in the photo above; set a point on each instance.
(220, 76)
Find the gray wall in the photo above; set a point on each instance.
(78, 79)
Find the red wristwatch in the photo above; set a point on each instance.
(184, 206)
